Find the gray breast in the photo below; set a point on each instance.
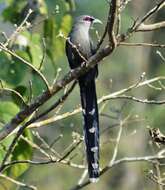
(80, 38)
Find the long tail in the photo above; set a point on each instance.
(91, 126)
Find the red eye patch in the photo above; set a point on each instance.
(88, 18)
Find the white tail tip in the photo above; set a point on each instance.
(94, 180)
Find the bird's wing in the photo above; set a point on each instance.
(73, 56)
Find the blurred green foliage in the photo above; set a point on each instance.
(14, 74)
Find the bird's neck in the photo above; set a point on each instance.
(81, 32)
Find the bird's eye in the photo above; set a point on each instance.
(88, 18)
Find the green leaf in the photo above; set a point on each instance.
(36, 49)
(50, 28)
(7, 110)
(21, 89)
(54, 43)
(12, 70)
(22, 151)
(3, 146)
(37, 85)
(66, 24)
(12, 12)
(7, 94)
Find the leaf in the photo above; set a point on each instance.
(37, 85)
(12, 70)
(36, 50)
(7, 94)
(50, 29)
(54, 43)
(3, 146)
(21, 89)
(12, 12)
(22, 151)
(66, 24)
(7, 110)
(17, 10)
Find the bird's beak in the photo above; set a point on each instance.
(97, 21)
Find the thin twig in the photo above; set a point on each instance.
(18, 183)
(150, 13)
(72, 148)
(145, 101)
(55, 140)
(23, 114)
(36, 134)
(142, 44)
(46, 95)
(148, 159)
(26, 63)
(35, 146)
(83, 176)
(8, 91)
(117, 144)
(140, 23)
(49, 161)
(156, 180)
(114, 95)
(150, 27)
(57, 103)
(18, 29)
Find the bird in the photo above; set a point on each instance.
(79, 48)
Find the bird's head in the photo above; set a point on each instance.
(86, 21)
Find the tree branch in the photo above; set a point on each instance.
(113, 95)
(40, 100)
(112, 20)
(142, 44)
(148, 159)
(150, 27)
(2, 47)
(18, 183)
